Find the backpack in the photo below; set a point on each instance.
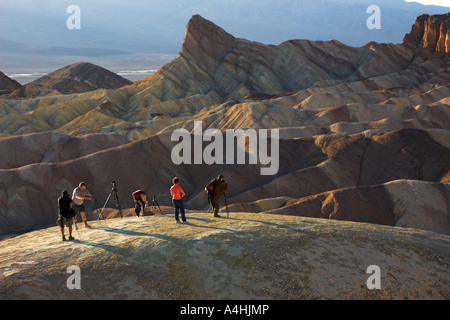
(69, 214)
(210, 187)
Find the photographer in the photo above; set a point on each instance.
(141, 201)
(80, 194)
(219, 187)
(66, 214)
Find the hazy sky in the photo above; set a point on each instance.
(443, 3)
(138, 25)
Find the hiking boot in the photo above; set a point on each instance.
(217, 216)
(86, 225)
(64, 238)
(71, 238)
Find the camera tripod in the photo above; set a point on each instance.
(210, 206)
(154, 201)
(116, 198)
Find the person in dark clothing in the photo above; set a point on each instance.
(65, 214)
(141, 201)
(220, 185)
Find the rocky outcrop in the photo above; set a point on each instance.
(245, 257)
(430, 36)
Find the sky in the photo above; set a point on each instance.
(159, 25)
(443, 3)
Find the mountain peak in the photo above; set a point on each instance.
(205, 37)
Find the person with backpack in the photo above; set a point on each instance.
(177, 194)
(141, 201)
(66, 214)
(215, 189)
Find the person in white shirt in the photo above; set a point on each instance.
(80, 194)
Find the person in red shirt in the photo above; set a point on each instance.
(178, 193)
(141, 200)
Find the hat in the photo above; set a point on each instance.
(220, 176)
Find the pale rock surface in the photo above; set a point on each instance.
(244, 257)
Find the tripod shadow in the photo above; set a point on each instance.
(140, 234)
(200, 219)
(126, 232)
(208, 227)
(107, 247)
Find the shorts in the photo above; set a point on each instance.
(78, 208)
(67, 222)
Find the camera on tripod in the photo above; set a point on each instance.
(116, 198)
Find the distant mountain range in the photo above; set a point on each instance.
(8, 46)
(111, 28)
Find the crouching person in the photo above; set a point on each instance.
(141, 201)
